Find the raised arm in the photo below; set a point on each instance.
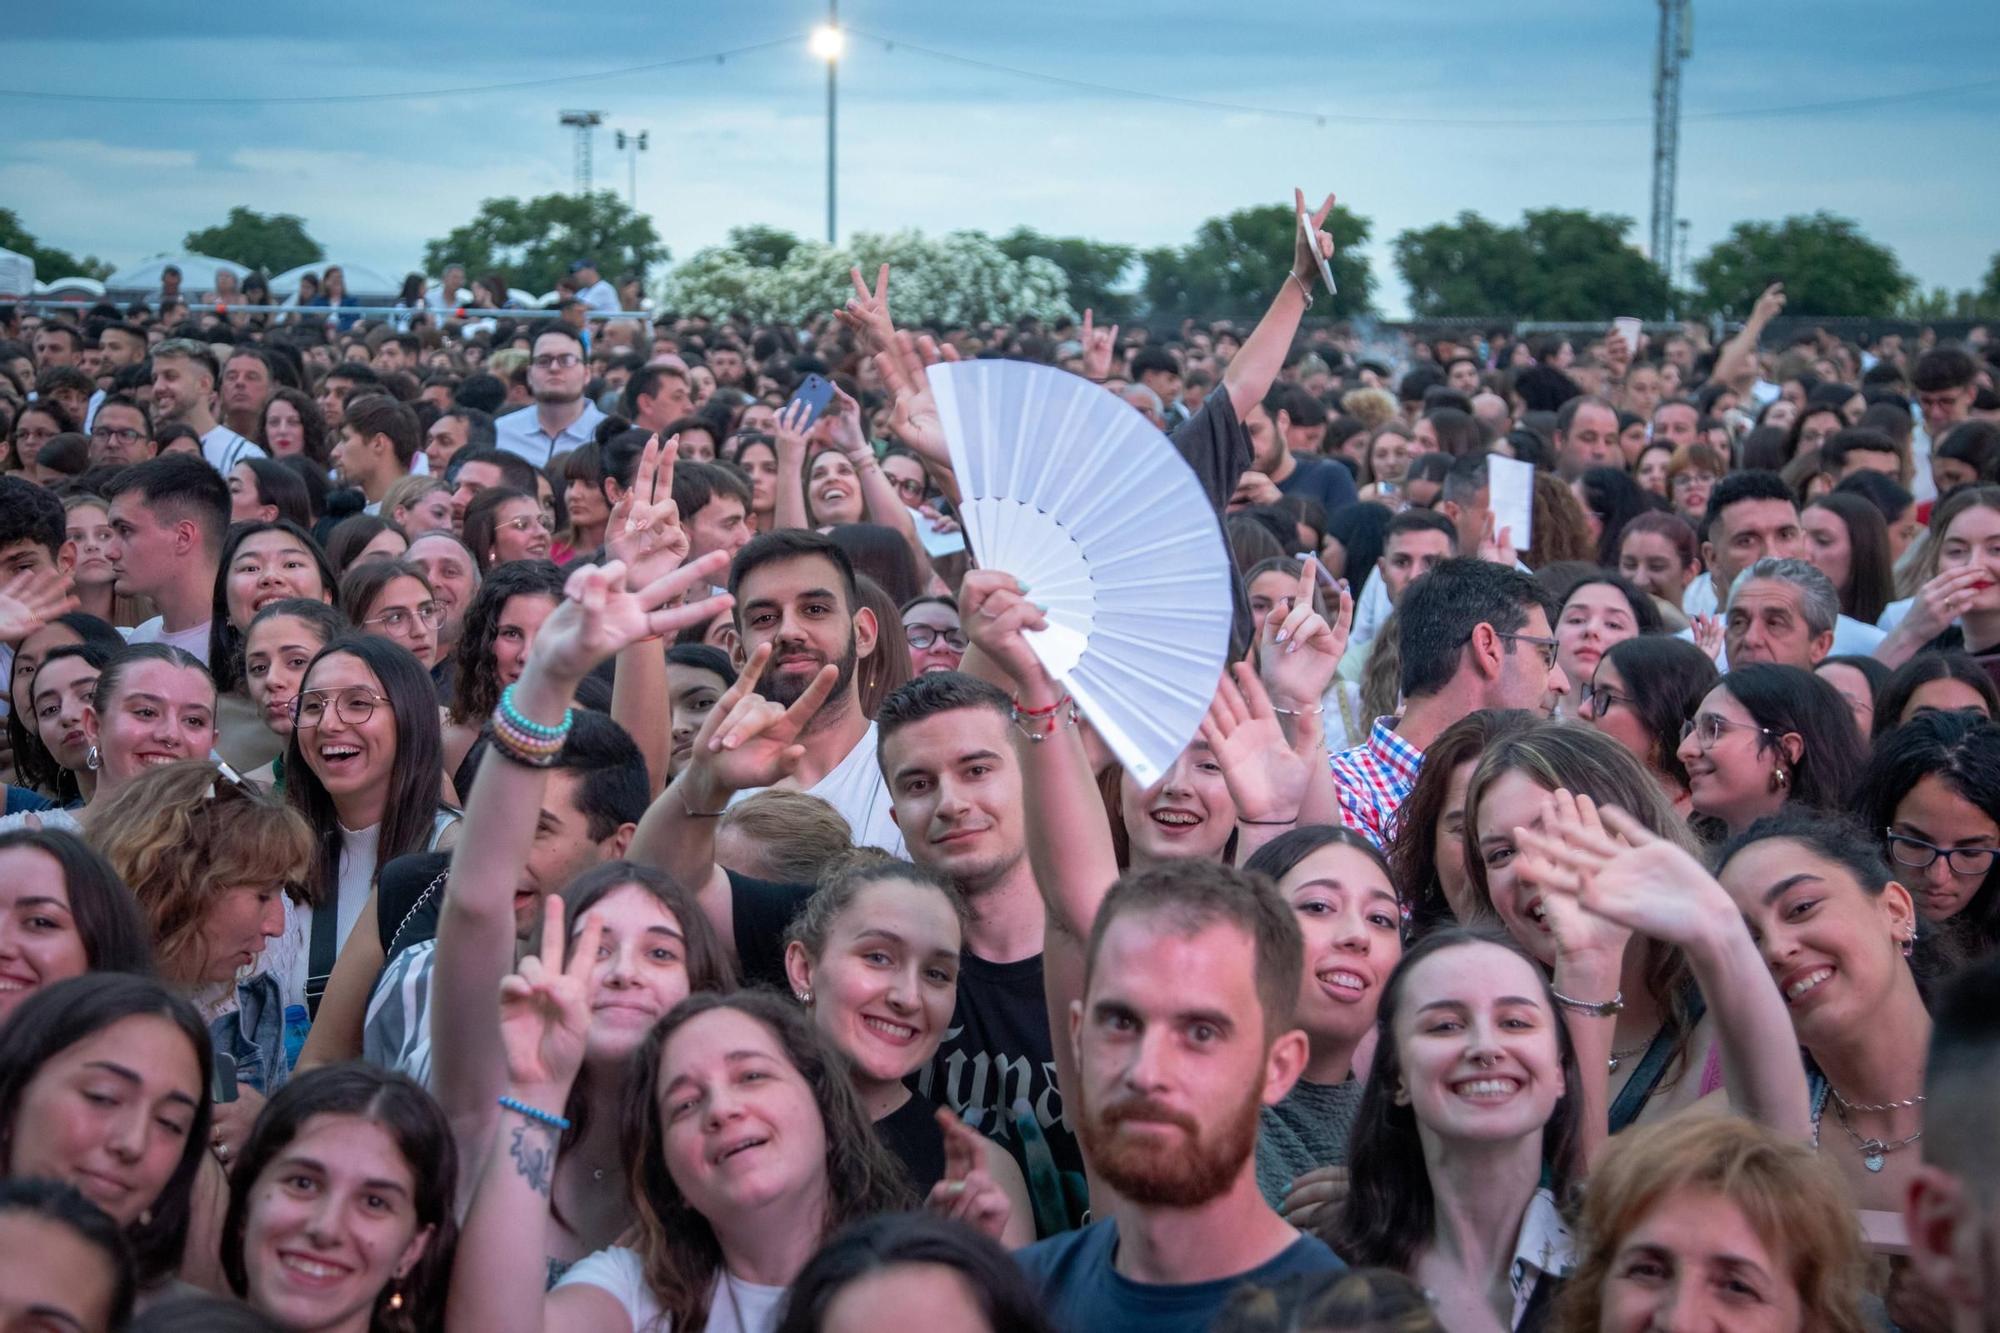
(499, 1277)
(789, 507)
(601, 615)
(1257, 363)
(1614, 868)
(914, 416)
(1268, 773)
(1736, 363)
(745, 742)
(641, 701)
(878, 497)
(1298, 655)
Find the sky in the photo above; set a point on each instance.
(1429, 109)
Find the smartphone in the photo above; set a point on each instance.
(222, 1081)
(1312, 243)
(815, 391)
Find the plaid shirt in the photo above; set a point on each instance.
(1372, 780)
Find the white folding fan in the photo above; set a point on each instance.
(1075, 494)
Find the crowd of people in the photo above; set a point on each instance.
(524, 824)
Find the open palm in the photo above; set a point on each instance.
(31, 600)
(1266, 772)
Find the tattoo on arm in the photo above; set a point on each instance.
(534, 1154)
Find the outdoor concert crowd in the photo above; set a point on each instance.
(521, 822)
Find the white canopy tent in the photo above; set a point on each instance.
(71, 289)
(368, 285)
(197, 274)
(17, 274)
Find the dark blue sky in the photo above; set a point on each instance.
(937, 145)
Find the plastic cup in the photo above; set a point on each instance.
(1628, 327)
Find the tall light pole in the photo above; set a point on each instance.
(632, 145)
(828, 42)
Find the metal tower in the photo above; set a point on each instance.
(584, 123)
(1676, 40)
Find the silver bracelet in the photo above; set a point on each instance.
(1298, 712)
(1591, 1009)
(1304, 291)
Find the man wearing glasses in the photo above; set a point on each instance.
(562, 419)
(122, 433)
(1473, 634)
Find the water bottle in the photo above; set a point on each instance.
(297, 1024)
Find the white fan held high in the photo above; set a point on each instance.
(1075, 494)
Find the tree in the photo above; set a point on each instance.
(533, 242)
(271, 243)
(768, 246)
(50, 263)
(941, 282)
(1827, 265)
(1989, 289)
(1093, 268)
(1235, 263)
(1558, 264)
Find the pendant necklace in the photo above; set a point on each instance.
(1873, 1151)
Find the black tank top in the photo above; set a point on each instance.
(911, 1132)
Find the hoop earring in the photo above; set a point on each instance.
(1910, 943)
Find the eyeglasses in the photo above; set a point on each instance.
(122, 434)
(527, 521)
(398, 620)
(1681, 481)
(923, 636)
(557, 361)
(1710, 728)
(1918, 855)
(353, 706)
(910, 486)
(1599, 700)
(1547, 646)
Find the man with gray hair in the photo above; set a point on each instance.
(1146, 403)
(1781, 610)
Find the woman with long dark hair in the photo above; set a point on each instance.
(1474, 1099)
(392, 600)
(715, 1245)
(1642, 695)
(1765, 737)
(341, 1205)
(1427, 849)
(500, 628)
(262, 490)
(36, 772)
(365, 768)
(64, 1264)
(292, 423)
(1847, 541)
(882, 1262)
(1610, 499)
(1932, 793)
(1840, 938)
(1599, 610)
(63, 912)
(262, 563)
(60, 693)
(104, 1085)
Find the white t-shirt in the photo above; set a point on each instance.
(734, 1306)
(855, 788)
(193, 639)
(599, 295)
(224, 449)
(291, 953)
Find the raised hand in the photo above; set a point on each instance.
(602, 614)
(1617, 355)
(749, 741)
(545, 1009)
(30, 600)
(842, 420)
(1496, 547)
(1707, 631)
(645, 532)
(1615, 869)
(915, 418)
(1770, 305)
(866, 315)
(1305, 260)
(1943, 599)
(1267, 773)
(1579, 932)
(1298, 652)
(1099, 345)
(995, 611)
(967, 1193)
(790, 429)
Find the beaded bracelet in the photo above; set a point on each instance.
(532, 742)
(536, 1114)
(510, 744)
(529, 725)
(1022, 710)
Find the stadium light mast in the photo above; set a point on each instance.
(585, 124)
(828, 42)
(631, 145)
(1675, 44)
